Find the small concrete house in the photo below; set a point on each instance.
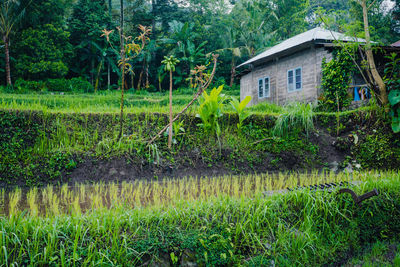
(291, 70)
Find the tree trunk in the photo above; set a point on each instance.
(139, 85)
(147, 76)
(7, 55)
(170, 110)
(121, 38)
(98, 76)
(108, 64)
(370, 57)
(132, 80)
(233, 71)
(108, 76)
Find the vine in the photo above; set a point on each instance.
(336, 77)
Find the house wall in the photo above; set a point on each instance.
(310, 60)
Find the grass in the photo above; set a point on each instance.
(295, 116)
(51, 200)
(220, 229)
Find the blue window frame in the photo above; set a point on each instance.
(294, 80)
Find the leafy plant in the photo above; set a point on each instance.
(392, 80)
(240, 108)
(336, 77)
(210, 110)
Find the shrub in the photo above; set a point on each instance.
(210, 110)
(73, 85)
(377, 151)
(36, 86)
(336, 77)
(81, 85)
(58, 85)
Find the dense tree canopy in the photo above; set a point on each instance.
(62, 38)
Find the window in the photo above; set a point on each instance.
(294, 80)
(260, 88)
(264, 87)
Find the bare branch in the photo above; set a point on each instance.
(199, 92)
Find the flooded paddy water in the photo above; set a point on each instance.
(81, 198)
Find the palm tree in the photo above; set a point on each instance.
(11, 12)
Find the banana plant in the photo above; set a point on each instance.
(240, 108)
(210, 111)
(169, 65)
(394, 100)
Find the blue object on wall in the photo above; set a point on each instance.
(356, 95)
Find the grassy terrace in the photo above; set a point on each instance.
(108, 102)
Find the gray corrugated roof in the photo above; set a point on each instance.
(397, 44)
(308, 36)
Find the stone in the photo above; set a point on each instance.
(188, 259)
(349, 168)
(122, 173)
(334, 166)
(112, 171)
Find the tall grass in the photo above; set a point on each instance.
(295, 228)
(296, 116)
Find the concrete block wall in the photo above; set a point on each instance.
(310, 60)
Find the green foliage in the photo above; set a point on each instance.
(303, 227)
(392, 80)
(43, 53)
(240, 108)
(296, 117)
(210, 110)
(170, 63)
(87, 20)
(35, 86)
(336, 77)
(73, 85)
(377, 151)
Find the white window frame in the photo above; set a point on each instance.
(264, 95)
(294, 80)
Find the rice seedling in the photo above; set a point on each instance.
(84, 197)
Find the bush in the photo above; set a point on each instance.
(81, 85)
(36, 86)
(55, 85)
(58, 85)
(377, 151)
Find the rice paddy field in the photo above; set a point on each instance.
(109, 102)
(224, 221)
(255, 218)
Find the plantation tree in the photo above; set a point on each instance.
(11, 12)
(170, 63)
(128, 52)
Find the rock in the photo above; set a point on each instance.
(122, 173)
(188, 259)
(349, 168)
(161, 261)
(112, 171)
(334, 166)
